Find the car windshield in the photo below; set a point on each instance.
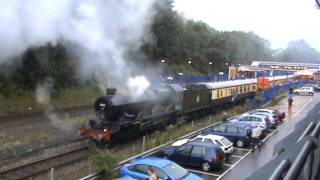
(225, 141)
(176, 171)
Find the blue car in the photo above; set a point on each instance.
(200, 154)
(238, 133)
(163, 168)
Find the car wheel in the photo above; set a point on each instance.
(296, 93)
(206, 166)
(310, 93)
(240, 143)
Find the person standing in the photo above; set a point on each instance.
(255, 137)
(224, 116)
(152, 174)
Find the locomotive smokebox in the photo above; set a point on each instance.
(111, 91)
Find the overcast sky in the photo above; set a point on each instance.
(279, 21)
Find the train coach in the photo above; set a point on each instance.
(122, 117)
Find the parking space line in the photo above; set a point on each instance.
(241, 149)
(236, 156)
(249, 151)
(227, 164)
(201, 172)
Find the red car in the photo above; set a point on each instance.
(278, 113)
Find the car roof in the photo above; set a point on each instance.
(262, 114)
(154, 161)
(244, 123)
(210, 136)
(201, 144)
(253, 115)
(235, 124)
(263, 110)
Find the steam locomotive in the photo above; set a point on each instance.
(120, 117)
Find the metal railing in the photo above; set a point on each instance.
(307, 162)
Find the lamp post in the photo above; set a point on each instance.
(227, 66)
(209, 69)
(163, 61)
(189, 62)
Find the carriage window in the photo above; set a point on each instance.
(254, 87)
(217, 93)
(241, 89)
(221, 93)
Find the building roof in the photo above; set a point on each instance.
(250, 68)
(257, 63)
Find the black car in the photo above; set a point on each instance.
(200, 154)
(239, 134)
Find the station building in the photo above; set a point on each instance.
(308, 71)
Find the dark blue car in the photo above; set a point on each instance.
(238, 133)
(200, 154)
(163, 168)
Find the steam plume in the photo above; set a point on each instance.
(102, 30)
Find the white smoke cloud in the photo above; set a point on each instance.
(43, 92)
(137, 85)
(102, 30)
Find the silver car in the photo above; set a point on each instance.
(304, 91)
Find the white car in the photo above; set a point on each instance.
(304, 91)
(253, 119)
(273, 120)
(222, 142)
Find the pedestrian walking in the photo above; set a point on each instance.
(290, 101)
(290, 98)
(152, 174)
(255, 137)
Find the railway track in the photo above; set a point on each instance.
(38, 116)
(41, 162)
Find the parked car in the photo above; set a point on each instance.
(164, 169)
(316, 87)
(199, 154)
(253, 119)
(304, 91)
(270, 111)
(274, 121)
(277, 113)
(222, 142)
(239, 134)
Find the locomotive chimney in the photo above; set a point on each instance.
(111, 91)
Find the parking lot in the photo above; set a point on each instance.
(240, 154)
(237, 156)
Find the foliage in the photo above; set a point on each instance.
(103, 160)
(298, 51)
(173, 38)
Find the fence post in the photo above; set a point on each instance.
(143, 143)
(51, 174)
